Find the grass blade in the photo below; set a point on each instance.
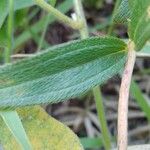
(91, 142)
(14, 124)
(38, 27)
(101, 114)
(140, 99)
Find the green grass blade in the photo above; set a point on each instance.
(46, 23)
(3, 11)
(17, 5)
(101, 114)
(122, 13)
(140, 99)
(38, 27)
(21, 4)
(91, 142)
(14, 124)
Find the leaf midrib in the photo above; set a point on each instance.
(105, 47)
(64, 70)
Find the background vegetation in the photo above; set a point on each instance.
(35, 30)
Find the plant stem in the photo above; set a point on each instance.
(78, 24)
(96, 91)
(123, 98)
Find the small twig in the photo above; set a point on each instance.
(139, 131)
(131, 116)
(22, 55)
(102, 118)
(88, 127)
(123, 98)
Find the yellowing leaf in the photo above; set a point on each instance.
(44, 132)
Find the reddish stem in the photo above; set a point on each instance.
(123, 98)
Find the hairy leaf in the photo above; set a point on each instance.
(43, 131)
(139, 25)
(137, 13)
(142, 32)
(123, 12)
(140, 98)
(61, 72)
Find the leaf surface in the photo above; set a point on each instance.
(3, 11)
(61, 72)
(123, 12)
(137, 14)
(3, 37)
(43, 131)
(139, 25)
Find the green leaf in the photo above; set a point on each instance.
(145, 52)
(18, 4)
(53, 2)
(3, 37)
(19, 18)
(64, 7)
(142, 32)
(14, 124)
(139, 25)
(91, 142)
(43, 131)
(23, 4)
(3, 11)
(123, 12)
(61, 72)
